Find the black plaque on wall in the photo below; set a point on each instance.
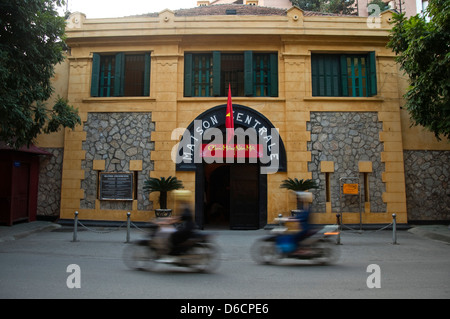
(116, 186)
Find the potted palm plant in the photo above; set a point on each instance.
(300, 188)
(163, 186)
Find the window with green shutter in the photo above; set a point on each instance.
(344, 75)
(107, 76)
(201, 69)
(357, 78)
(261, 75)
(326, 78)
(248, 73)
(120, 74)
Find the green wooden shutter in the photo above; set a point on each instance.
(217, 85)
(95, 79)
(273, 75)
(360, 77)
(321, 65)
(147, 75)
(314, 75)
(372, 74)
(344, 75)
(335, 76)
(119, 76)
(188, 74)
(328, 68)
(248, 73)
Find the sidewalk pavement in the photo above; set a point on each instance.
(17, 231)
(435, 232)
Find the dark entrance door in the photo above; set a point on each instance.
(244, 196)
(18, 186)
(20, 191)
(232, 196)
(217, 193)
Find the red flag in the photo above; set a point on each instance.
(229, 121)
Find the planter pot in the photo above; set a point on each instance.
(163, 212)
(305, 197)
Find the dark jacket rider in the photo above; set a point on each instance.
(184, 231)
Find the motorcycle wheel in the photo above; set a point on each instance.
(329, 252)
(139, 257)
(206, 257)
(265, 252)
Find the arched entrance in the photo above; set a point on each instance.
(231, 190)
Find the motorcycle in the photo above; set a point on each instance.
(199, 252)
(318, 245)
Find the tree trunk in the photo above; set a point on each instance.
(163, 200)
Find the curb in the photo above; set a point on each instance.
(11, 234)
(431, 233)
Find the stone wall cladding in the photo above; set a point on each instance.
(427, 177)
(49, 190)
(346, 138)
(117, 138)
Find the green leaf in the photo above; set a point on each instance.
(31, 44)
(298, 185)
(162, 185)
(423, 52)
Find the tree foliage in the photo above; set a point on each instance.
(31, 44)
(327, 6)
(423, 52)
(297, 185)
(162, 185)
(380, 3)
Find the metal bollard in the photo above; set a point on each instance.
(394, 229)
(75, 227)
(128, 226)
(338, 222)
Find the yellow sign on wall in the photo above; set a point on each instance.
(350, 189)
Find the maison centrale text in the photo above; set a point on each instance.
(255, 138)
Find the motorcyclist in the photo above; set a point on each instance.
(184, 231)
(303, 217)
(186, 227)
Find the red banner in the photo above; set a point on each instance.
(232, 150)
(229, 121)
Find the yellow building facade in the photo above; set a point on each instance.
(322, 93)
